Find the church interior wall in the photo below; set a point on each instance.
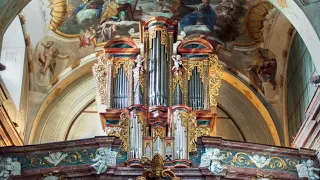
(300, 90)
(42, 83)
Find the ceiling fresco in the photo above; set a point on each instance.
(75, 29)
(97, 21)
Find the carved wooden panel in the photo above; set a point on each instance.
(8, 134)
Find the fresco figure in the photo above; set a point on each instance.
(261, 70)
(118, 10)
(203, 15)
(87, 37)
(107, 32)
(48, 57)
(90, 4)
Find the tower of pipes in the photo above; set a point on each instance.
(154, 100)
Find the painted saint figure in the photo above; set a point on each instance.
(48, 57)
(87, 37)
(203, 15)
(261, 70)
(118, 10)
(107, 32)
(90, 4)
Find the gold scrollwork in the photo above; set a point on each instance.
(113, 131)
(74, 158)
(178, 79)
(158, 132)
(99, 71)
(215, 77)
(192, 132)
(127, 66)
(240, 159)
(156, 171)
(35, 161)
(200, 67)
(124, 132)
(277, 163)
(163, 40)
(142, 81)
(203, 131)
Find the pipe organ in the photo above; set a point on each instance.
(158, 102)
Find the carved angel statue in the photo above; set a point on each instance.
(103, 159)
(9, 166)
(307, 170)
(260, 161)
(55, 158)
(177, 62)
(211, 159)
(139, 62)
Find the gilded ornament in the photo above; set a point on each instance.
(192, 132)
(100, 75)
(113, 131)
(157, 171)
(200, 67)
(127, 66)
(124, 132)
(158, 132)
(178, 80)
(203, 131)
(262, 176)
(74, 158)
(215, 76)
(163, 39)
(60, 10)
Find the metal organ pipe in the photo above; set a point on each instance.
(158, 89)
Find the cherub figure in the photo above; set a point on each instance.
(177, 62)
(55, 158)
(101, 161)
(48, 57)
(211, 159)
(311, 171)
(139, 62)
(260, 161)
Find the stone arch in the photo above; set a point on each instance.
(53, 117)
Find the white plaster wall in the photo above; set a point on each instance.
(13, 57)
(303, 25)
(34, 22)
(87, 125)
(58, 117)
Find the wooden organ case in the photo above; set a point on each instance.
(157, 99)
